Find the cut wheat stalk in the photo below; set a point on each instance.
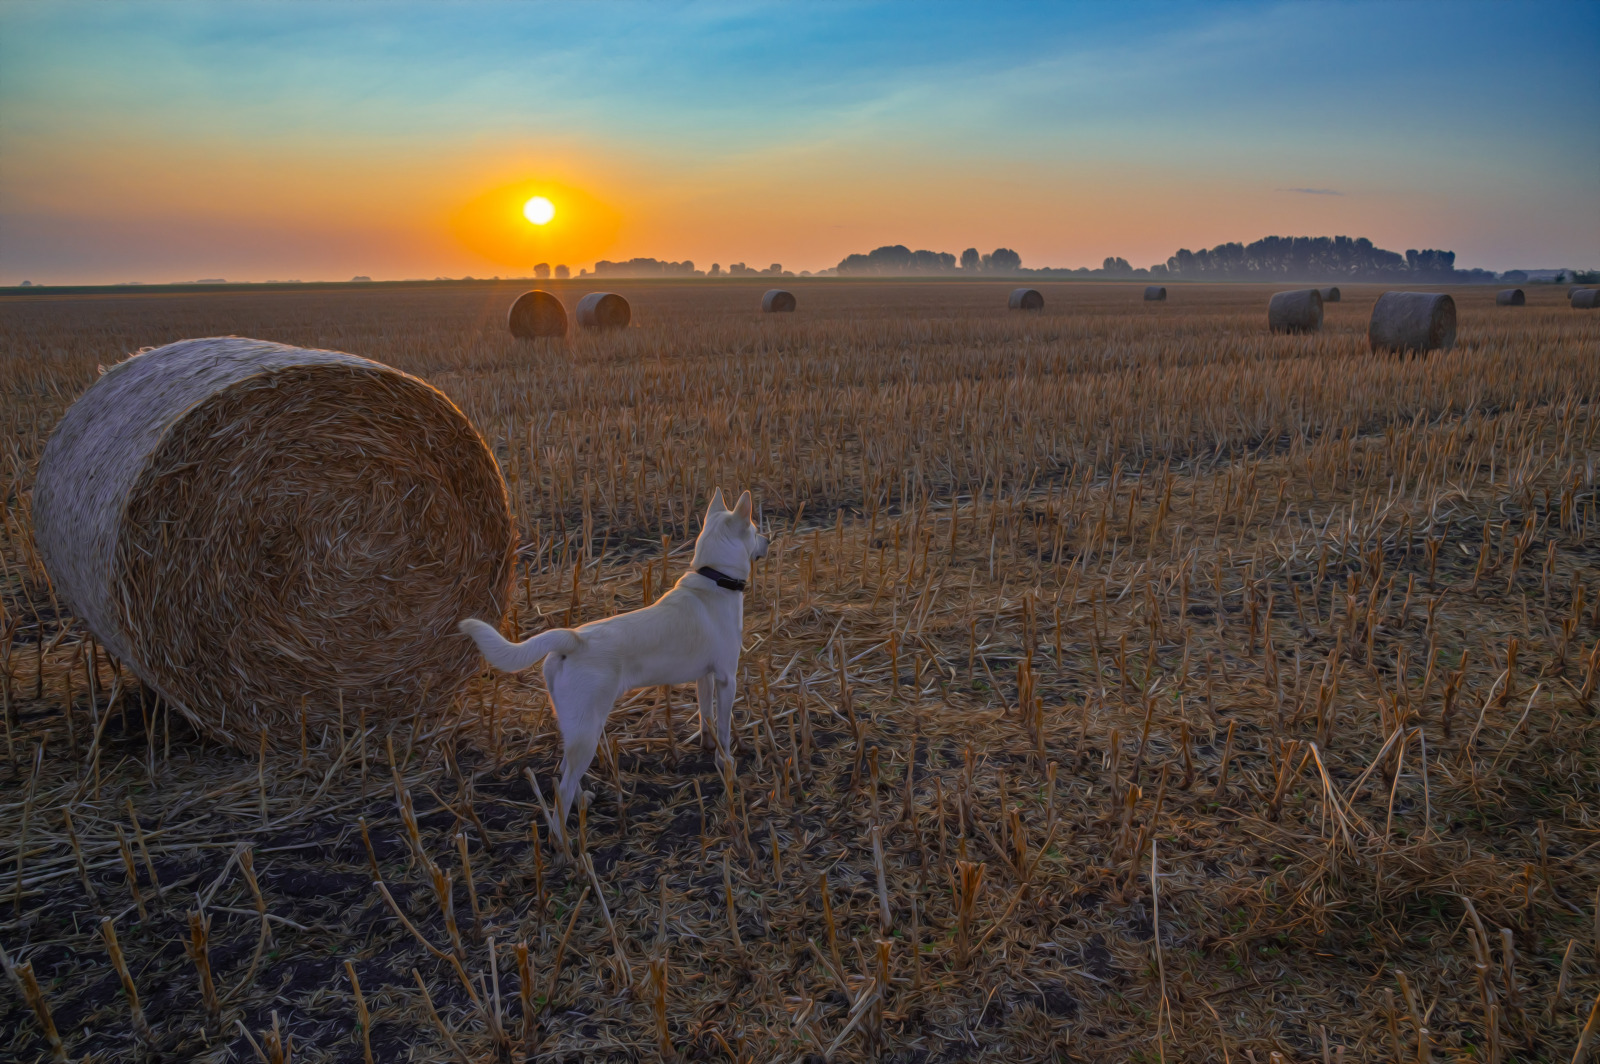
(198, 947)
(433, 1014)
(141, 1028)
(363, 1017)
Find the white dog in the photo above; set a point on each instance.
(693, 632)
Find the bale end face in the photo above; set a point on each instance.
(1155, 294)
(537, 315)
(261, 531)
(1586, 299)
(1295, 312)
(778, 301)
(1412, 321)
(1329, 295)
(1026, 299)
(1511, 297)
(604, 310)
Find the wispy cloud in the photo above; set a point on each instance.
(1314, 191)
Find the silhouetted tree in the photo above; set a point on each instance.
(562, 273)
(1004, 260)
(970, 259)
(897, 258)
(542, 271)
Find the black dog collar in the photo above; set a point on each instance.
(720, 579)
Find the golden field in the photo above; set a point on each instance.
(1125, 683)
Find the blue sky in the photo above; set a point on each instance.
(156, 141)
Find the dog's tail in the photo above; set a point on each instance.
(514, 657)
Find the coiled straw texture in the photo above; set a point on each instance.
(252, 527)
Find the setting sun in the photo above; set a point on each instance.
(537, 219)
(538, 210)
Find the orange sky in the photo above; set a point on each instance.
(262, 142)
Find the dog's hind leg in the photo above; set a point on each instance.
(724, 688)
(581, 711)
(706, 690)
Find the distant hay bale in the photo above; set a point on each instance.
(1026, 299)
(1586, 299)
(537, 314)
(1155, 294)
(777, 301)
(1299, 311)
(1412, 321)
(1511, 297)
(247, 525)
(603, 310)
(1329, 295)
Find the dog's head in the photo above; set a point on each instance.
(729, 540)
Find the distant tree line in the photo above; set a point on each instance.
(645, 268)
(1315, 258)
(1273, 258)
(739, 269)
(898, 259)
(662, 268)
(1308, 259)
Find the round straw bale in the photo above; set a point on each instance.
(252, 528)
(1511, 297)
(1299, 311)
(1412, 321)
(603, 310)
(777, 301)
(1026, 299)
(1155, 293)
(537, 314)
(1329, 295)
(1586, 299)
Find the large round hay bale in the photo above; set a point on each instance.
(248, 525)
(1511, 297)
(1586, 299)
(1412, 321)
(1155, 294)
(777, 301)
(1299, 311)
(537, 314)
(603, 310)
(1026, 299)
(1329, 295)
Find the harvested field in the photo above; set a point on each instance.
(1126, 682)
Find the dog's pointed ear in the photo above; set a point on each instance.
(716, 505)
(743, 507)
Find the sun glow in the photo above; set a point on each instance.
(539, 210)
(535, 220)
